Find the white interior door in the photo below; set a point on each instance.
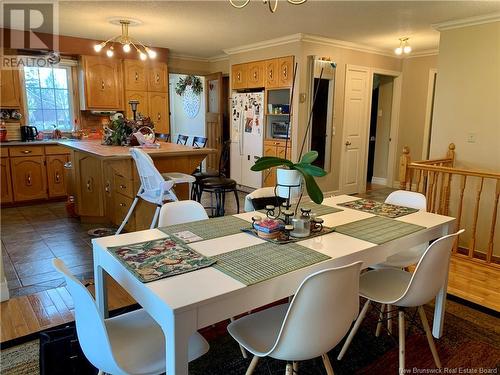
(355, 128)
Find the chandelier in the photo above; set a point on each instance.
(126, 42)
(273, 4)
(404, 47)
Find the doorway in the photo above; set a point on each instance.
(379, 132)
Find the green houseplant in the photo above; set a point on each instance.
(304, 167)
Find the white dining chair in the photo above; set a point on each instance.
(154, 187)
(265, 193)
(180, 212)
(319, 315)
(396, 287)
(131, 343)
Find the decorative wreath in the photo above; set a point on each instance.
(193, 81)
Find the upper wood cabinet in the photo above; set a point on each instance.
(135, 75)
(103, 83)
(255, 74)
(9, 89)
(5, 181)
(158, 77)
(285, 71)
(159, 112)
(142, 107)
(271, 73)
(29, 179)
(239, 76)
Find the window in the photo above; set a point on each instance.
(48, 97)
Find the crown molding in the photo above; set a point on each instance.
(264, 44)
(316, 39)
(188, 57)
(469, 21)
(217, 58)
(425, 53)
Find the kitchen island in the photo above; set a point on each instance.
(104, 180)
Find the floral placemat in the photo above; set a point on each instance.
(157, 259)
(379, 208)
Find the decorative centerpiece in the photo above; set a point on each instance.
(121, 131)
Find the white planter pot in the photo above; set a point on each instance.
(289, 183)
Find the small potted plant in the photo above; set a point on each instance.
(290, 173)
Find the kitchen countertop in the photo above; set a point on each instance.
(30, 143)
(94, 147)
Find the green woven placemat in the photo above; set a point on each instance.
(210, 228)
(318, 209)
(378, 229)
(253, 264)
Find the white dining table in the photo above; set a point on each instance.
(185, 303)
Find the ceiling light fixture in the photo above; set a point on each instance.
(404, 46)
(273, 4)
(127, 43)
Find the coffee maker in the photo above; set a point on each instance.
(28, 133)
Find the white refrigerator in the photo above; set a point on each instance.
(247, 137)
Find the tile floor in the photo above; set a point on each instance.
(33, 235)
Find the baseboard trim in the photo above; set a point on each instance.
(4, 291)
(379, 181)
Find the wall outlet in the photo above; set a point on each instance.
(471, 137)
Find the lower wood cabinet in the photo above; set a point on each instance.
(29, 179)
(5, 182)
(89, 185)
(274, 148)
(122, 205)
(56, 180)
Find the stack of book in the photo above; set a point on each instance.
(268, 228)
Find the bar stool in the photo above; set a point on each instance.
(219, 186)
(165, 137)
(182, 139)
(154, 187)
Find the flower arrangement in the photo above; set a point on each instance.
(119, 132)
(191, 80)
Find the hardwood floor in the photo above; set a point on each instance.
(25, 315)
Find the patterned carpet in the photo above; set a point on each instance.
(471, 341)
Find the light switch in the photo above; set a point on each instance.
(471, 137)
(379, 113)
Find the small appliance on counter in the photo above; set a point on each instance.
(280, 129)
(28, 133)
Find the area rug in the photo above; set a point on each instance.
(471, 342)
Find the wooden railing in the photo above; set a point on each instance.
(465, 194)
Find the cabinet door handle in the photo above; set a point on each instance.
(285, 71)
(123, 187)
(107, 187)
(157, 78)
(238, 77)
(159, 116)
(347, 143)
(89, 184)
(122, 204)
(271, 74)
(26, 152)
(28, 179)
(255, 75)
(57, 177)
(102, 84)
(136, 76)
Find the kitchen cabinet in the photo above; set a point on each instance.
(158, 77)
(275, 148)
(89, 185)
(239, 76)
(5, 181)
(10, 89)
(55, 175)
(135, 75)
(102, 80)
(158, 111)
(255, 74)
(29, 179)
(142, 107)
(285, 71)
(271, 73)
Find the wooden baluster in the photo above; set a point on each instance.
(411, 172)
(445, 200)
(404, 161)
(460, 205)
(430, 190)
(472, 244)
(435, 196)
(418, 173)
(450, 154)
(489, 253)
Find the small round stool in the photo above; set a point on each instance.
(219, 186)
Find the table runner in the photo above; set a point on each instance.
(318, 209)
(157, 259)
(253, 264)
(378, 229)
(379, 208)
(208, 229)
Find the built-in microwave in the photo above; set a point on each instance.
(280, 129)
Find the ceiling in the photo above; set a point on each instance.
(205, 28)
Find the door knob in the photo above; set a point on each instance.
(347, 143)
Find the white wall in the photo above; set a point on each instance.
(180, 123)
